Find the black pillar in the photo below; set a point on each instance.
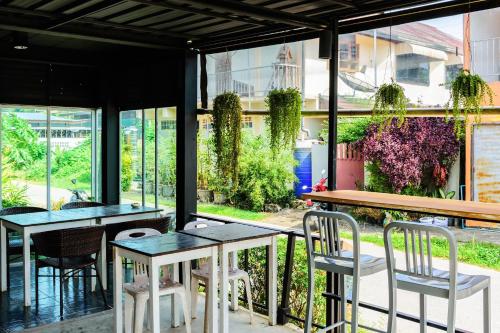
(110, 151)
(186, 140)
(332, 281)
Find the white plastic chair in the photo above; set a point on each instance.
(137, 292)
(331, 258)
(419, 276)
(202, 275)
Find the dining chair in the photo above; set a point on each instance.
(69, 251)
(202, 275)
(417, 274)
(81, 204)
(137, 292)
(14, 242)
(331, 258)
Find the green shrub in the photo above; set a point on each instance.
(12, 194)
(127, 172)
(349, 130)
(262, 179)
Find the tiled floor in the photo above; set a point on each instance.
(14, 317)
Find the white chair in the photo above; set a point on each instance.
(419, 276)
(331, 258)
(202, 275)
(137, 292)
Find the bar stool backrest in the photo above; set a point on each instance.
(418, 251)
(326, 224)
(140, 269)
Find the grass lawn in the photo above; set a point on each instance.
(474, 253)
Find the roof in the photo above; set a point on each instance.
(209, 26)
(424, 34)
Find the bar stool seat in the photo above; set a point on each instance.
(368, 264)
(467, 285)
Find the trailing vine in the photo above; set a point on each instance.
(285, 107)
(467, 93)
(226, 116)
(389, 102)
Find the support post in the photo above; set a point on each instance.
(332, 280)
(186, 140)
(284, 309)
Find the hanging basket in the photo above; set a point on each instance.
(389, 102)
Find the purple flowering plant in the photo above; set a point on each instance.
(417, 154)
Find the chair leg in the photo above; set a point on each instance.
(54, 275)
(36, 283)
(248, 289)
(129, 313)
(452, 303)
(355, 302)
(423, 314)
(487, 309)
(391, 322)
(140, 308)
(84, 282)
(98, 275)
(61, 281)
(185, 308)
(194, 297)
(343, 307)
(310, 300)
(207, 297)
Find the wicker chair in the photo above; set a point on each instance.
(70, 251)
(15, 243)
(81, 204)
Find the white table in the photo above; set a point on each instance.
(157, 251)
(234, 237)
(27, 224)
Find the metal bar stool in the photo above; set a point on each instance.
(331, 258)
(419, 276)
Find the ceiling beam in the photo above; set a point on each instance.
(85, 12)
(272, 15)
(344, 3)
(193, 10)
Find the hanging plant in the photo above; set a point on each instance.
(285, 107)
(468, 92)
(390, 101)
(226, 116)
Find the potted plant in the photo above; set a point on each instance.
(285, 107)
(204, 193)
(389, 102)
(468, 92)
(226, 117)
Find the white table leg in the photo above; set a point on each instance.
(272, 280)
(175, 298)
(223, 290)
(3, 257)
(235, 292)
(117, 292)
(213, 315)
(27, 266)
(103, 265)
(186, 280)
(154, 295)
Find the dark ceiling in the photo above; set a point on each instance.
(210, 26)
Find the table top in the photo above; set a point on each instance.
(489, 212)
(231, 232)
(172, 242)
(76, 214)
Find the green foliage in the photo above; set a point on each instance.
(73, 163)
(285, 107)
(390, 101)
(468, 91)
(226, 116)
(12, 194)
(126, 166)
(20, 147)
(349, 130)
(263, 180)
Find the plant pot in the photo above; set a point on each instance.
(168, 191)
(219, 198)
(441, 221)
(205, 196)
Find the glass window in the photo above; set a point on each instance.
(412, 68)
(150, 157)
(131, 156)
(167, 160)
(451, 72)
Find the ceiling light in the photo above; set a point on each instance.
(20, 41)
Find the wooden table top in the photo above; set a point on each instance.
(76, 214)
(231, 232)
(489, 212)
(172, 242)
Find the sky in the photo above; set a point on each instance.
(452, 25)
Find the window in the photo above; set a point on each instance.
(451, 73)
(246, 122)
(412, 69)
(168, 124)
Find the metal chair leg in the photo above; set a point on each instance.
(355, 302)
(343, 307)
(391, 322)
(487, 309)
(61, 282)
(310, 299)
(452, 303)
(98, 275)
(423, 314)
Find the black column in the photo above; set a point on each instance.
(332, 280)
(186, 140)
(110, 150)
